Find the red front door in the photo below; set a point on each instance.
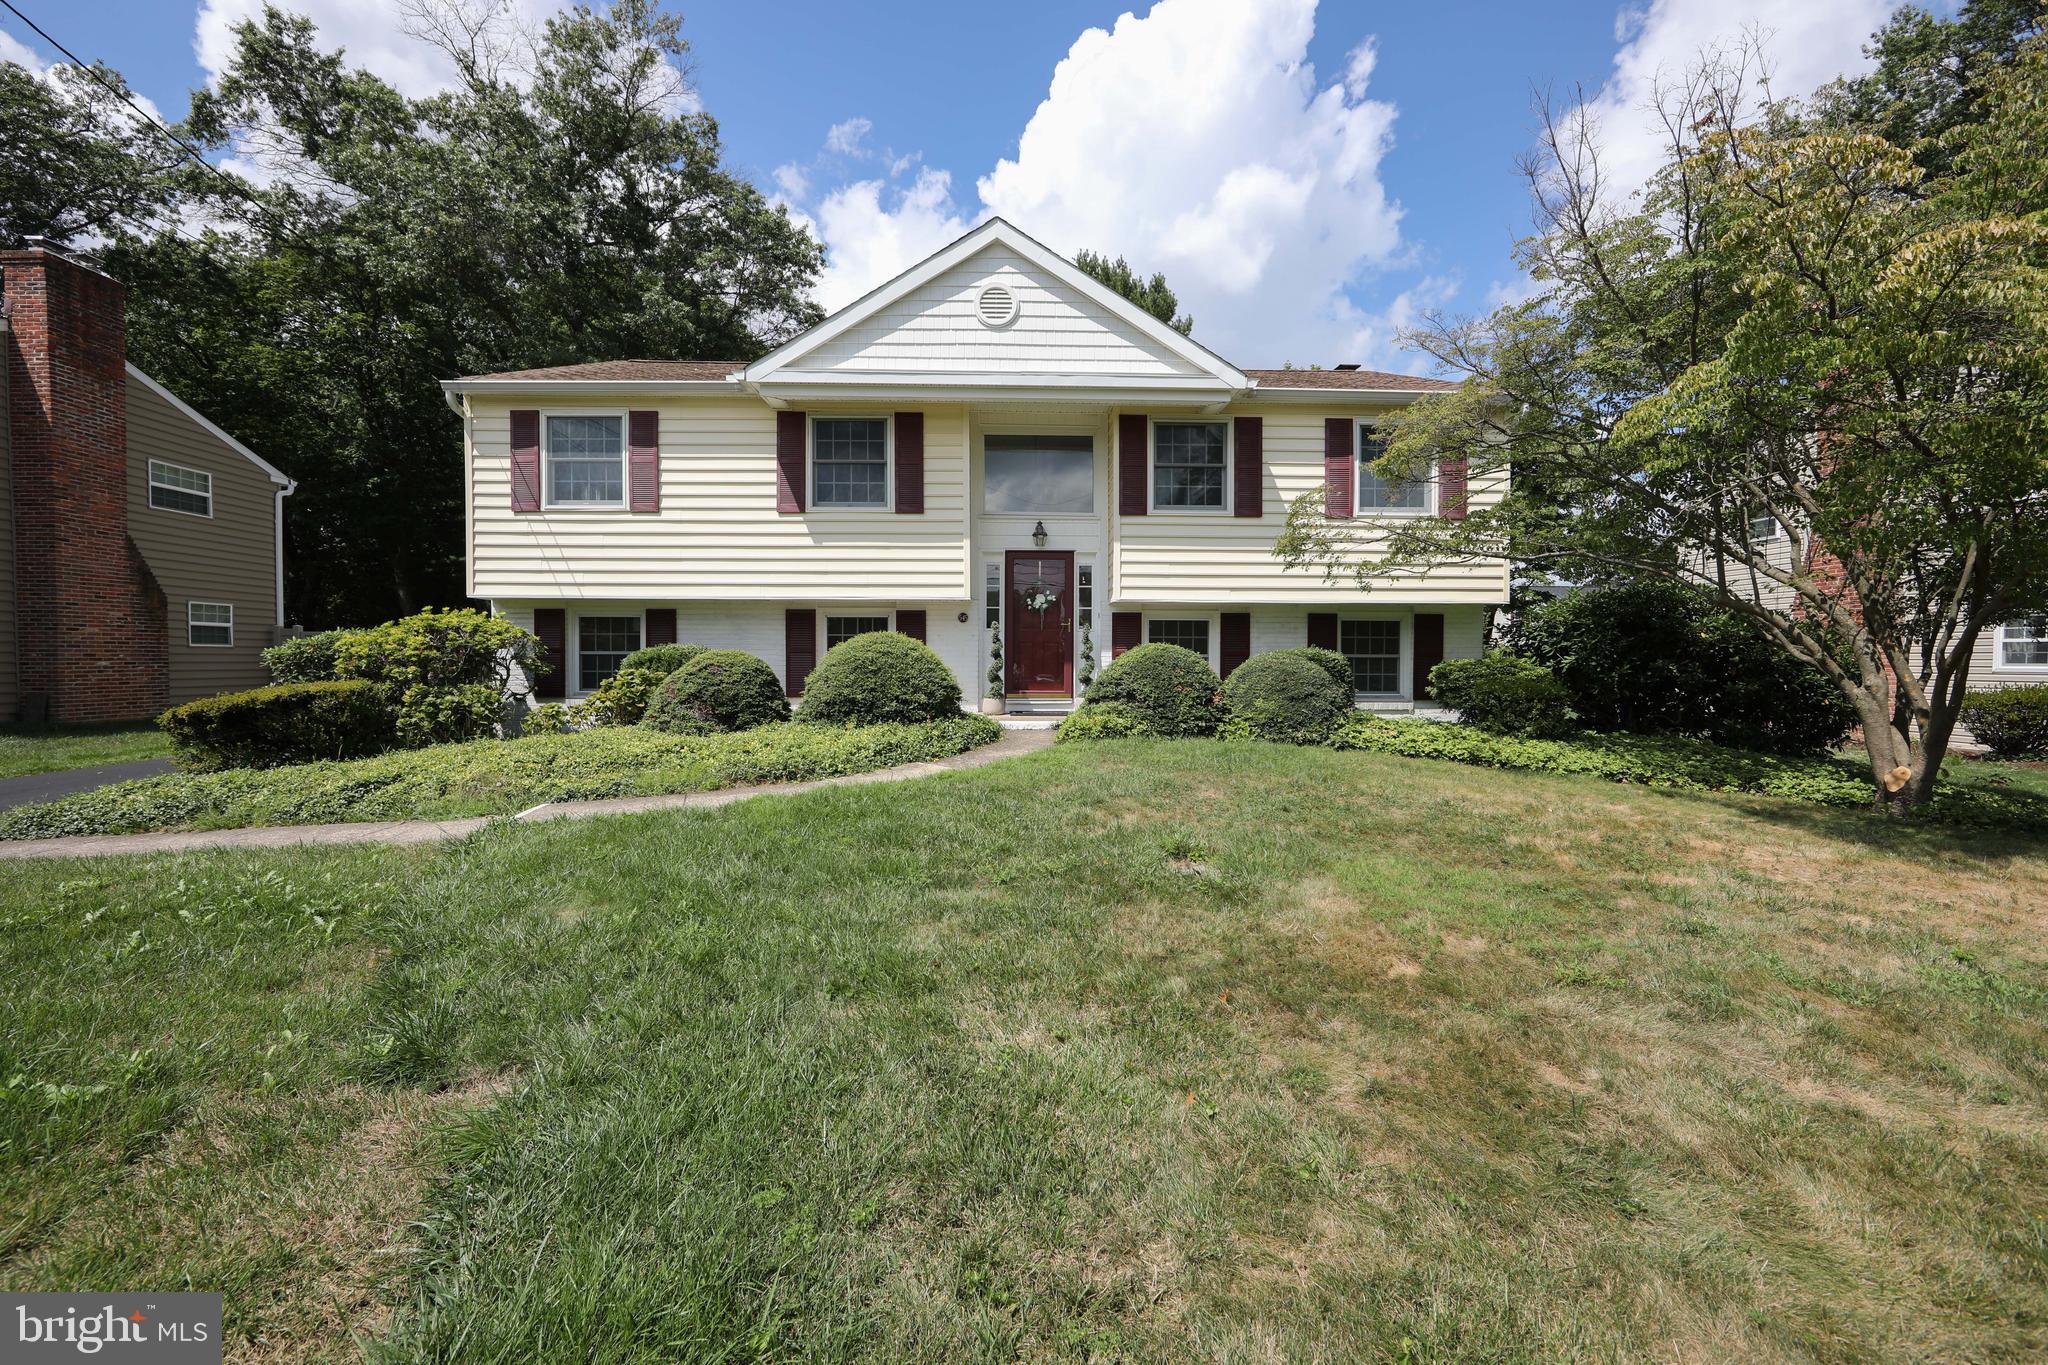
(1038, 612)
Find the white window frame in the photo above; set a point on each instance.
(547, 461)
(174, 488)
(888, 502)
(574, 686)
(1214, 618)
(1362, 429)
(190, 624)
(1998, 663)
(1152, 425)
(1772, 536)
(1404, 667)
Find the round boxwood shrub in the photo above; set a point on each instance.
(1173, 689)
(1329, 660)
(2011, 722)
(878, 678)
(1504, 694)
(1102, 720)
(662, 659)
(720, 689)
(1285, 698)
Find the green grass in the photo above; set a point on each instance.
(25, 751)
(493, 777)
(1133, 1051)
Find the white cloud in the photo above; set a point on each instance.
(875, 232)
(791, 181)
(845, 138)
(13, 50)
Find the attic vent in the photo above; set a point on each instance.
(997, 306)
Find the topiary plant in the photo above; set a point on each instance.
(1286, 698)
(1504, 694)
(720, 689)
(880, 678)
(996, 686)
(2011, 722)
(1173, 689)
(662, 659)
(1087, 673)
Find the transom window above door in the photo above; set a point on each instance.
(1038, 475)
(1374, 650)
(586, 457)
(1192, 634)
(1188, 460)
(851, 460)
(1376, 494)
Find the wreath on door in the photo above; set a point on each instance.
(1040, 597)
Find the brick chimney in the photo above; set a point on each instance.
(90, 620)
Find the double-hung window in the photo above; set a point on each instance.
(1374, 651)
(1763, 528)
(1190, 634)
(2023, 645)
(850, 459)
(1188, 460)
(1398, 497)
(174, 488)
(210, 623)
(586, 461)
(602, 643)
(840, 629)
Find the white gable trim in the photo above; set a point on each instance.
(1221, 372)
(277, 476)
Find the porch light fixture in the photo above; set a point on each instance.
(1038, 535)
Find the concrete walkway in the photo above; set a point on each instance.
(1013, 743)
(35, 787)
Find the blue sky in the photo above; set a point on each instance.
(1309, 176)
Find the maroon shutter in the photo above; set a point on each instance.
(1429, 649)
(1126, 631)
(1236, 635)
(1337, 466)
(1450, 487)
(909, 463)
(643, 461)
(525, 460)
(1248, 497)
(789, 463)
(1322, 630)
(799, 648)
(551, 625)
(1131, 496)
(661, 625)
(910, 623)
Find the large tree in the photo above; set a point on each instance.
(76, 162)
(1792, 320)
(565, 201)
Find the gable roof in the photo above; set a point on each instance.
(277, 476)
(658, 371)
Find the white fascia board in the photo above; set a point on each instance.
(993, 388)
(993, 231)
(277, 476)
(540, 388)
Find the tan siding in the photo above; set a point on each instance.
(718, 535)
(10, 670)
(229, 557)
(1212, 556)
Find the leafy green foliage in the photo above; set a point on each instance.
(74, 162)
(494, 776)
(1102, 720)
(2012, 722)
(622, 698)
(663, 659)
(310, 658)
(1173, 689)
(720, 689)
(1283, 697)
(1152, 295)
(1505, 695)
(289, 723)
(880, 676)
(1329, 660)
(437, 649)
(447, 715)
(550, 718)
(997, 684)
(1655, 657)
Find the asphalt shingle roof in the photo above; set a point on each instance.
(676, 371)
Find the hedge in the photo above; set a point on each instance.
(2011, 722)
(494, 777)
(290, 723)
(1504, 694)
(877, 677)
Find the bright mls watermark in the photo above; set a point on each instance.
(171, 1329)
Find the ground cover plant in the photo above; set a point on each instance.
(493, 777)
(25, 750)
(1140, 1051)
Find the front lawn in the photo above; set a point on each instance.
(25, 750)
(1129, 1051)
(493, 777)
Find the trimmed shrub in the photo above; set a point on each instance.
(289, 723)
(662, 659)
(622, 698)
(2011, 722)
(1505, 695)
(1659, 658)
(880, 677)
(447, 715)
(437, 649)
(720, 689)
(1172, 689)
(1102, 720)
(1285, 698)
(310, 658)
(549, 718)
(1329, 660)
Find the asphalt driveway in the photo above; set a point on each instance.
(26, 791)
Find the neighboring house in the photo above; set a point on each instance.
(990, 440)
(142, 555)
